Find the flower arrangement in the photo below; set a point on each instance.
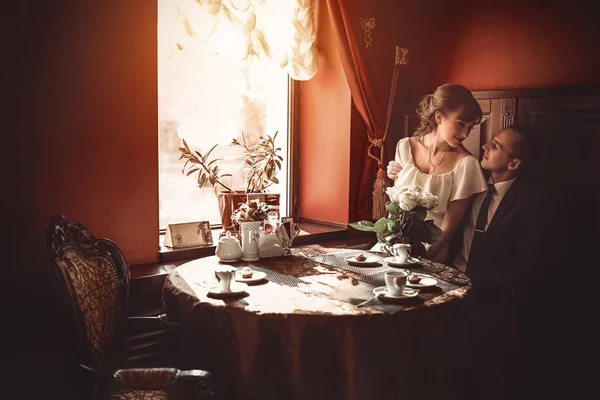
(253, 211)
(405, 223)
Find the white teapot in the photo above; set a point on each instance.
(228, 248)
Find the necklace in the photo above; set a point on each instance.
(438, 162)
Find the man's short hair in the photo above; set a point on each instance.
(527, 148)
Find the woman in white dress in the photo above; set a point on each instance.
(435, 159)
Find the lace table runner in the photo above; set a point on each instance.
(353, 284)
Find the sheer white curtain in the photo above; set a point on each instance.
(281, 30)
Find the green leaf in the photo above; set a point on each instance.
(381, 226)
(392, 208)
(391, 225)
(366, 226)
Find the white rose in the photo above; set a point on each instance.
(394, 192)
(428, 200)
(415, 188)
(408, 200)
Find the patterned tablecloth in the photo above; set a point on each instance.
(299, 333)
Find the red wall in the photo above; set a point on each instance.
(520, 44)
(88, 144)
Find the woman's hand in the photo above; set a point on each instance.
(393, 169)
(454, 214)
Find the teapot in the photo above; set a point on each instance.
(228, 248)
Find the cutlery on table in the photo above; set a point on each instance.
(364, 303)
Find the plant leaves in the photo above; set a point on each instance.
(392, 208)
(365, 226)
(192, 170)
(381, 226)
(187, 148)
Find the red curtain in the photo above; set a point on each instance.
(368, 53)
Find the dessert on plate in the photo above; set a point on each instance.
(246, 272)
(360, 257)
(414, 278)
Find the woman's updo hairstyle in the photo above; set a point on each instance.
(448, 97)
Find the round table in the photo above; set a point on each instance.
(290, 338)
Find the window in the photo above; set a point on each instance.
(209, 100)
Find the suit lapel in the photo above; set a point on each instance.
(505, 205)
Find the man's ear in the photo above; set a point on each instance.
(514, 164)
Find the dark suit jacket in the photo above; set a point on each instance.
(508, 255)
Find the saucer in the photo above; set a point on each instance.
(383, 294)
(256, 276)
(237, 289)
(391, 261)
(423, 283)
(370, 261)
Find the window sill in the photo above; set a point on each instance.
(311, 232)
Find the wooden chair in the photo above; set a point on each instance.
(95, 277)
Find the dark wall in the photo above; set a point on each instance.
(82, 142)
(516, 44)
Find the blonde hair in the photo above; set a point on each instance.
(448, 97)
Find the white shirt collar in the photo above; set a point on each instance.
(502, 187)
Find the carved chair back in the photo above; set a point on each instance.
(95, 277)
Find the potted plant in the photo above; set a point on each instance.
(262, 163)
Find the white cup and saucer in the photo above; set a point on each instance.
(395, 287)
(400, 256)
(226, 286)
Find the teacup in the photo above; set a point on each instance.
(224, 278)
(401, 252)
(395, 281)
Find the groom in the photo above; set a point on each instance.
(499, 249)
(497, 244)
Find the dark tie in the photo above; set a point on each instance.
(481, 220)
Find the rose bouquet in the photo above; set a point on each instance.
(405, 223)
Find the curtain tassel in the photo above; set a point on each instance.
(379, 194)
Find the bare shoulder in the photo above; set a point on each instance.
(416, 141)
(462, 152)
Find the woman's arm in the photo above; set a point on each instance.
(454, 214)
(393, 169)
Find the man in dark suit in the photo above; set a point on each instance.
(498, 237)
(499, 250)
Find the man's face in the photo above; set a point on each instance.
(498, 154)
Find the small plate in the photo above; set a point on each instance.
(391, 261)
(370, 261)
(423, 283)
(256, 276)
(382, 292)
(237, 289)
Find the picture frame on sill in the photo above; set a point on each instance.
(188, 234)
